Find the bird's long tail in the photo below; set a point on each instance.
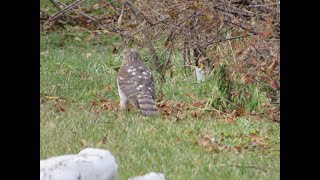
(147, 104)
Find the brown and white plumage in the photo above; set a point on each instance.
(135, 83)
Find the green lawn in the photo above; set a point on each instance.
(79, 98)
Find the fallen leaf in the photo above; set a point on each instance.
(132, 26)
(178, 120)
(268, 20)
(88, 55)
(95, 6)
(205, 141)
(173, 14)
(254, 133)
(194, 114)
(167, 112)
(104, 106)
(247, 79)
(274, 85)
(108, 88)
(255, 139)
(77, 39)
(198, 104)
(95, 111)
(52, 125)
(230, 117)
(94, 103)
(209, 16)
(59, 108)
(240, 112)
(211, 144)
(238, 147)
(84, 143)
(51, 97)
(163, 104)
(273, 64)
(84, 75)
(99, 144)
(267, 33)
(103, 100)
(270, 131)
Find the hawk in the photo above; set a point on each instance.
(135, 83)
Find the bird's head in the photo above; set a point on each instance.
(130, 55)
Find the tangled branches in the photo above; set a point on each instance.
(241, 33)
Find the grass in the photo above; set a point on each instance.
(78, 70)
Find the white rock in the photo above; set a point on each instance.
(149, 176)
(89, 164)
(200, 73)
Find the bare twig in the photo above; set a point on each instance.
(154, 24)
(66, 9)
(70, 7)
(213, 109)
(147, 27)
(242, 27)
(111, 2)
(227, 39)
(193, 15)
(56, 3)
(264, 116)
(264, 5)
(195, 27)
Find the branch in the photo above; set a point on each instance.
(66, 9)
(135, 11)
(55, 3)
(115, 9)
(240, 26)
(227, 39)
(70, 7)
(154, 24)
(264, 5)
(110, 2)
(264, 116)
(147, 27)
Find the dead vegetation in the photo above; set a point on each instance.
(240, 35)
